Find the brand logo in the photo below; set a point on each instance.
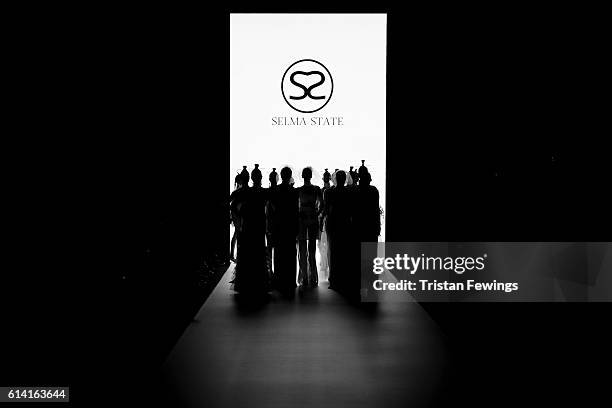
(307, 86)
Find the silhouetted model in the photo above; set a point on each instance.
(338, 210)
(271, 221)
(285, 213)
(322, 244)
(273, 177)
(251, 272)
(234, 219)
(355, 176)
(348, 178)
(366, 217)
(310, 203)
(245, 175)
(366, 224)
(351, 174)
(237, 199)
(362, 168)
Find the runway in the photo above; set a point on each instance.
(315, 350)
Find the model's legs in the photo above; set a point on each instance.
(313, 275)
(322, 246)
(233, 246)
(303, 261)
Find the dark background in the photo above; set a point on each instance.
(119, 170)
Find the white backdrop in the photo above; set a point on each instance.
(353, 48)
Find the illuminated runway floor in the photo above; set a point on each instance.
(315, 350)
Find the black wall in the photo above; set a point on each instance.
(170, 162)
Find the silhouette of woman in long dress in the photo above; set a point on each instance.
(322, 244)
(366, 223)
(310, 202)
(241, 182)
(366, 216)
(251, 272)
(338, 210)
(366, 209)
(284, 206)
(234, 218)
(271, 227)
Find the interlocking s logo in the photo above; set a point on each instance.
(307, 86)
(310, 88)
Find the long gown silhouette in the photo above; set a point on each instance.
(284, 211)
(366, 214)
(251, 272)
(338, 210)
(234, 218)
(310, 201)
(271, 227)
(322, 244)
(241, 183)
(366, 224)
